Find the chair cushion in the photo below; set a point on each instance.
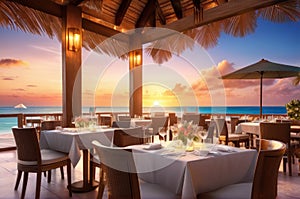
(243, 136)
(234, 191)
(151, 191)
(96, 159)
(231, 137)
(50, 156)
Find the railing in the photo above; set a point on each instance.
(24, 119)
(103, 117)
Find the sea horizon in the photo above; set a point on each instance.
(7, 123)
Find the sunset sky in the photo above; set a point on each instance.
(30, 72)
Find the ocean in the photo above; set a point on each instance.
(7, 123)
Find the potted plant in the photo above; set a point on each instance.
(293, 111)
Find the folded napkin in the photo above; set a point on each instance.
(201, 152)
(225, 149)
(69, 130)
(153, 146)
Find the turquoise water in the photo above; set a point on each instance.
(7, 123)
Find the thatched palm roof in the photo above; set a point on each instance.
(122, 15)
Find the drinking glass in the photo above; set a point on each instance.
(162, 132)
(203, 133)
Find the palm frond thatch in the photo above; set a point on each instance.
(283, 12)
(16, 16)
(296, 81)
(207, 36)
(241, 25)
(101, 44)
(162, 50)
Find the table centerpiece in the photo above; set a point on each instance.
(184, 135)
(85, 122)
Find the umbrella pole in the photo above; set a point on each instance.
(261, 81)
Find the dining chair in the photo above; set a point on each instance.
(226, 137)
(195, 117)
(264, 184)
(32, 159)
(127, 137)
(122, 178)
(211, 133)
(234, 121)
(280, 132)
(124, 118)
(35, 122)
(202, 121)
(122, 138)
(105, 120)
(121, 124)
(297, 154)
(173, 119)
(51, 125)
(156, 123)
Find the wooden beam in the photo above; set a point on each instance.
(160, 14)
(103, 30)
(146, 13)
(76, 2)
(177, 8)
(54, 9)
(135, 76)
(152, 19)
(221, 1)
(122, 11)
(197, 4)
(48, 7)
(223, 11)
(71, 67)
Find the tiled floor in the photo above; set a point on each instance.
(288, 187)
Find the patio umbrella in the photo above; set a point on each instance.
(264, 69)
(20, 106)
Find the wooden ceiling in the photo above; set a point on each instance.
(109, 17)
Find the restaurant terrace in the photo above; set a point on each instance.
(165, 156)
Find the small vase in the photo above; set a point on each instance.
(189, 145)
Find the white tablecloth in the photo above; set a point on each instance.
(72, 142)
(248, 127)
(136, 122)
(254, 128)
(189, 175)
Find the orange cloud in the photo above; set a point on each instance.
(6, 63)
(19, 89)
(31, 86)
(8, 78)
(179, 88)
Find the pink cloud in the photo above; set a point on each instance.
(179, 88)
(6, 63)
(246, 91)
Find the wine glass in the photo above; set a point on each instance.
(203, 133)
(162, 132)
(174, 130)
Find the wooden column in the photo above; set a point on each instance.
(71, 65)
(136, 76)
